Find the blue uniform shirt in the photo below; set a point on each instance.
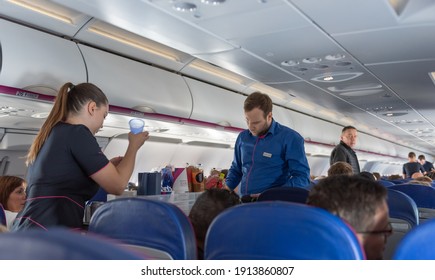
(273, 160)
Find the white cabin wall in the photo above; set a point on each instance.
(17, 166)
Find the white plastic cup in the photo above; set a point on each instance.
(136, 125)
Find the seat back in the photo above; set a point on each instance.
(403, 217)
(2, 216)
(386, 183)
(59, 244)
(423, 196)
(159, 229)
(273, 230)
(292, 194)
(418, 244)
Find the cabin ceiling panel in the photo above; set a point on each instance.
(245, 64)
(343, 16)
(161, 91)
(145, 19)
(417, 94)
(294, 44)
(314, 96)
(33, 59)
(388, 45)
(252, 18)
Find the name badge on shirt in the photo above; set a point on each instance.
(269, 155)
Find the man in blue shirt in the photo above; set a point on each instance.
(267, 154)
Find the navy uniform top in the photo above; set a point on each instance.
(272, 160)
(410, 168)
(59, 180)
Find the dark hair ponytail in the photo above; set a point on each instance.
(69, 100)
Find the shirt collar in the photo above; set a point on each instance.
(272, 129)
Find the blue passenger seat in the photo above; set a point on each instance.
(403, 217)
(386, 183)
(156, 228)
(292, 194)
(59, 244)
(418, 244)
(278, 230)
(423, 196)
(2, 216)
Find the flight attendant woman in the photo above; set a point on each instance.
(66, 165)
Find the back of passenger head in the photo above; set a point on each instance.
(359, 202)
(395, 177)
(422, 180)
(377, 176)
(340, 168)
(367, 175)
(206, 207)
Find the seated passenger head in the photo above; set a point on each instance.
(361, 203)
(395, 177)
(416, 175)
(207, 206)
(340, 168)
(377, 175)
(12, 193)
(367, 175)
(422, 180)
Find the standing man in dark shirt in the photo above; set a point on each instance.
(412, 166)
(343, 151)
(428, 166)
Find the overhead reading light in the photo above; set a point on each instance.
(216, 71)
(337, 56)
(289, 63)
(394, 114)
(432, 76)
(311, 60)
(122, 38)
(42, 115)
(336, 77)
(184, 7)
(213, 2)
(46, 8)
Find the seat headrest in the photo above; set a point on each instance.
(280, 230)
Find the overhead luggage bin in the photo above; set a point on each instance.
(135, 85)
(216, 105)
(37, 61)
